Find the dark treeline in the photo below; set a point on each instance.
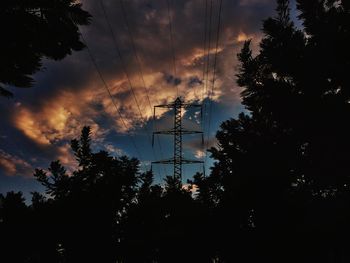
(278, 190)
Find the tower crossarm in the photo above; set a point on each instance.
(169, 106)
(189, 105)
(189, 161)
(172, 161)
(182, 131)
(173, 132)
(178, 104)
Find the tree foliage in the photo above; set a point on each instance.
(282, 166)
(33, 30)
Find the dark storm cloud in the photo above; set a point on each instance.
(148, 21)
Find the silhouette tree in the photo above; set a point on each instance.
(307, 69)
(280, 166)
(13, 227)
(165, 225)
(34, 30)
(87, 207)
(142, 224)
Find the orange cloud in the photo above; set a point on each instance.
(43, 127)
(243, 37)
(61, 117)
(8, 166)
(67, 158)
(13, 165)
(199, 154)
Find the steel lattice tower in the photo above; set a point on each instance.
(177, 131)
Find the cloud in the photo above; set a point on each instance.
(13, 165)
(67, 158)
(151, 34)
(69, 94)
(199, 154)
(242, 37)
(197, 143)
(43, 127)
(58, 118)
(149, 26)
(113, 149)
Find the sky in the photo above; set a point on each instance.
(38, 124)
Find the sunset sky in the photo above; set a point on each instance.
(38, 123)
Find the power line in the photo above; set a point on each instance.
(135, 51)
(120, 57)
(124, 68)
(214, 74)
(124, 13)
(110, 94)
(208, 51)
(205, 45)
(204, 68)
(172, 44)
(207, 66)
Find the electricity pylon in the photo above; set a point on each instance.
(177, 131)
